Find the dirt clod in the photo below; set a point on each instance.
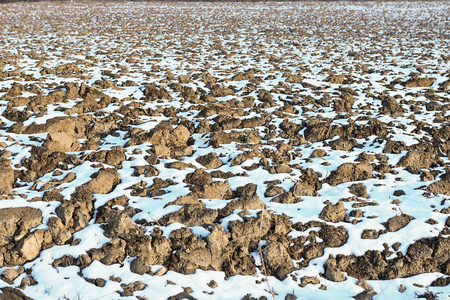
(333, 213)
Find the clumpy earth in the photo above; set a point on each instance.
(225, 150)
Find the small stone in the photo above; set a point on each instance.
(138, 266)
(359, 190)
(399, 193)
(356, 213)
(210, 161)
(365, 295)
(396, 246)
(318, 153)
(212, 284)
(283, 169)
(305, 280)
(398, 222)
(161, 271)
(333, 213)
(369, 234)
(103, 181)
(333, 274)
(290, 297)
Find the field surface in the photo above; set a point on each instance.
(225, 150)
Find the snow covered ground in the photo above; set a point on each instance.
(225, 150)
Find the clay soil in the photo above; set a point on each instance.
(225, 150)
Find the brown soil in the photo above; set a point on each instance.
(228, 130)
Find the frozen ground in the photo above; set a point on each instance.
(225, 150)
